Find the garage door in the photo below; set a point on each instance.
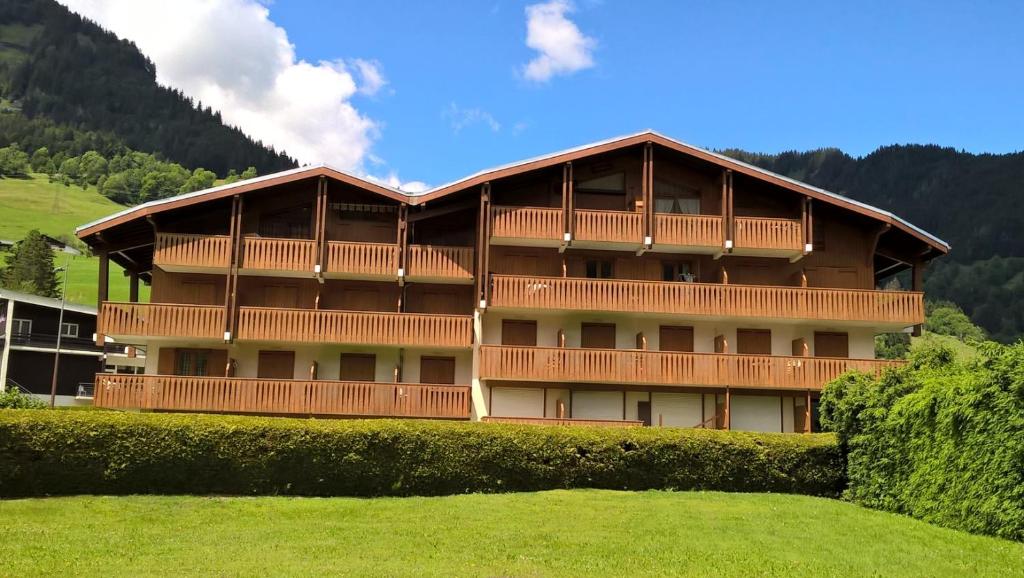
(755, 413)
(597, 405)
(676, 409)
(517, 402)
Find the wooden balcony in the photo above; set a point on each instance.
(126, 320)
(281, 396)
(538, 226)
(894, 309)
(264, 254)
(357, 327)
(440, 263)
(701, 233)
(184, 252)
(618, 366)
(362, 260)
(563, 421)
(771, 237)
(621, 227)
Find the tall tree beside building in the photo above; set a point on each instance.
(29, 267)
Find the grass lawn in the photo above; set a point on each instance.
(560, 533)
(55, 209)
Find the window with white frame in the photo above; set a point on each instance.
(21, 326)
(69, 330)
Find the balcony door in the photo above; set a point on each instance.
(192, 362)
(754, 341)
(437, 370)
(276, 365)
(358, 367)
(597, 335)
(831, 344)
(518, 332)
(674, 338)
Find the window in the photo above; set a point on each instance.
(613, 183)
(69, 330)
(516, 332)
(276, 364)
(597, 335)
(191, 362)
(437, 370)
(599, 269)
(21, 326)
(754, 341)
(677, 271)
(672, 198)
(291, 223)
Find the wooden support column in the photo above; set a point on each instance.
(566, 207)
(809, 234)
(133, 287)
(103, 292)
(403, 242)
(647, 195)
(641, 341)
(572, 200)
(320, 228)
(807, 413)
(731, 219)
(231, 286)
(727, 418)
(483, 247)
(917, 284)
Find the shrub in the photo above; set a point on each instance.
(941, 439)
(120, 453)
(11, 398)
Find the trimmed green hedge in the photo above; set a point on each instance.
(940, 439)
(46, 453)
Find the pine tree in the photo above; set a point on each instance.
(30, 267)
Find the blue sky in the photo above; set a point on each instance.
(789, 75)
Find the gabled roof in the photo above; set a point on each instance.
(510, 169)
(20, 297)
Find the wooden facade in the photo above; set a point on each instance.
(267, 287)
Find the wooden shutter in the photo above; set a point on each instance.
(516, 332)
(831, 344)
(672, 338)
(437, 370)
(217, 362)
(165, 365)
(754, 341)
(286, 296)
(358, 367)
(276, 365)
(597, 335)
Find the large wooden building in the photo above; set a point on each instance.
(635, 280)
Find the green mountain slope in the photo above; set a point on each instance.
(57, 65)
(55, 209)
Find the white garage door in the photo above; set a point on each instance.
(675, 409)
(597, 405)
(755, 413)
(517, 402)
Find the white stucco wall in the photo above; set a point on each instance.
(755, 413)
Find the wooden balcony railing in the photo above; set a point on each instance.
(280, 396)
(440, 261)
(527, 223)
(556, 364)
(764, 233)
(278, 254)
(373, 259)
(370, 328)
(689, 230)
(212, 251)
(609, 226)
(161, 320)
(564, 421)
(703, 299)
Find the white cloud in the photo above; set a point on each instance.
(460, 117)
(229, 55)
(393, 181)
(562, 48)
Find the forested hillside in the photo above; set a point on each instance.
(57, 66)
(974, 202)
